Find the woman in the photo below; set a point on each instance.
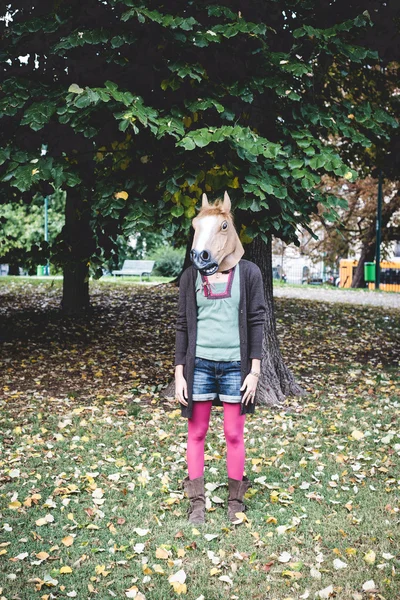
(219, 333)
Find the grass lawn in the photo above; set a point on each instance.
(92, 457)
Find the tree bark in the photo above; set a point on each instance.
(276, 380)
(13, 269)
(79, 244)
(367, 255)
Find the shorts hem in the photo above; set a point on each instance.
(203, 397)
(231, 399)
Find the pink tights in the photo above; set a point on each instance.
(233, 429)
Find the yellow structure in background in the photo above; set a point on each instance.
(390, 274)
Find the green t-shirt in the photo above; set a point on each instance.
(218, 318)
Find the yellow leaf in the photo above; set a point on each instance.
(235, 183)
(68, 540)
(14, 505)
(162, 553)
(123, 195)
(241, 517)
(42, 555)
(348, 175)
(174, 413)
(158, 569)
(44, 520)
(146, 570)
(291, 574)
(65, 570)
(357, 435)
(272, 520)
(101, 570)
(179, 588)
(112, 528)
(369, 557)
(274, 496)
(244, 238)
(214, 571)
(351, 551)
(195, 531)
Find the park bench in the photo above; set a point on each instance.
(135, 267)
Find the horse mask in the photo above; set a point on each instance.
(216, 244)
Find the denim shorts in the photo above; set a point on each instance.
(217, 378)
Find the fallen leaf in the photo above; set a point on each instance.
(226, 579)
(65, 570)
(45, 520)
(177, 580)
(284, 557)
(325, 593)
(141, 532)
(368, 586)
(369, 557)
(339, 564)
(21, 556)
(162, 553)
(68, 540)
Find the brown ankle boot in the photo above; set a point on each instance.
(194, 488)
(237, 489)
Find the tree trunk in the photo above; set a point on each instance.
(79, 244)
(13, 268)
(276, 380)
(367, 255)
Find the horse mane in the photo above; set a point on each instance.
(214, 210)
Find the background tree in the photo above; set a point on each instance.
(144, 109)
(22, 231)
(355, 233)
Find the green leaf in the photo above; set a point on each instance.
(187, 143)
(177, 210)
(295, 163)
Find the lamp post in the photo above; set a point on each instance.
(378, 234)
(46, 230)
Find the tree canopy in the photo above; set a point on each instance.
(141, 108)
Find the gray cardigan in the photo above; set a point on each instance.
(251, 321)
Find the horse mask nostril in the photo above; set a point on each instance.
(193, 254)
(204, 255)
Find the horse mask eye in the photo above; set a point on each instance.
(224, 226)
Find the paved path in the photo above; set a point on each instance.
(367, 298)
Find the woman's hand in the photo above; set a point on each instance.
(180, 385)
(251, 381)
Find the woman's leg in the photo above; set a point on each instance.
(197, 431)
(234, 429)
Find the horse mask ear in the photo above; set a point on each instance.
(204, 201)
(226, 205)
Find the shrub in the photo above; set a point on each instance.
(169, 261)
